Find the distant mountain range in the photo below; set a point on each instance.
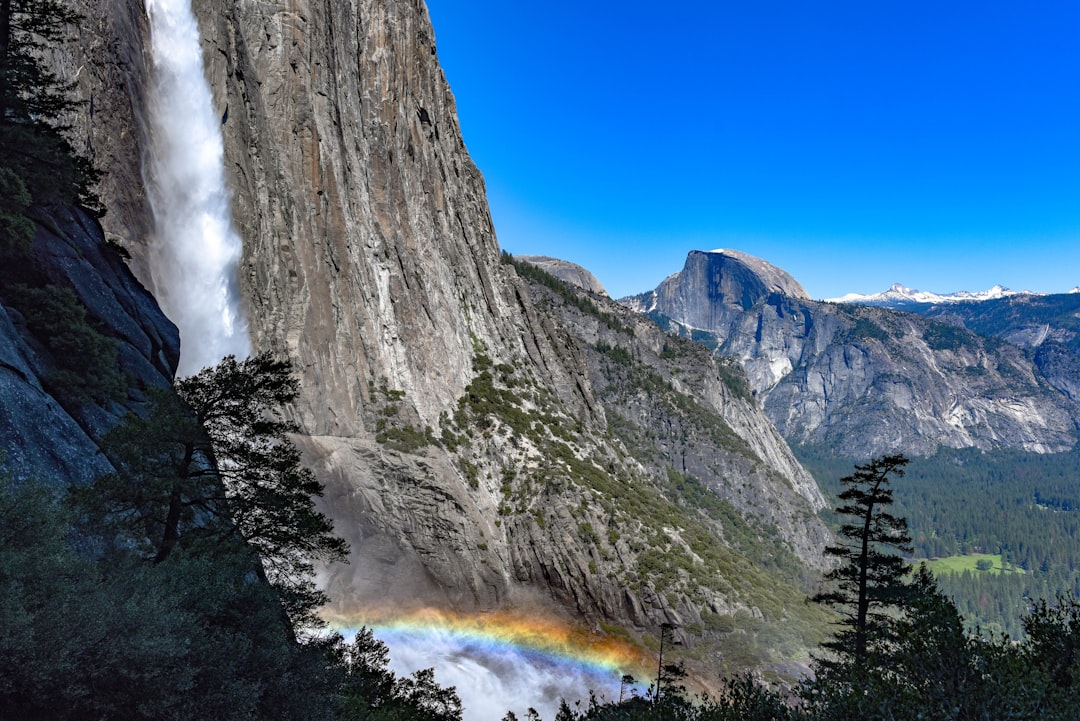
(861, 378)
(899, 296)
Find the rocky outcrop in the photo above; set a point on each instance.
(865, 380)
(43, 433)
(565, 271)
(716, 287)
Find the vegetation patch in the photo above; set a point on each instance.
(616, 353)
(942, 336)
(759, 542)
(569, 295)
(84, 359)
(973, 563)
(734, 377)
(405, 439)
(866, 329)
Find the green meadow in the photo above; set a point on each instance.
(990, 563)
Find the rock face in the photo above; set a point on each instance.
(370, 259)
(110, 66)
(1046, 326)
(680, 408)
(866, 380)
(455, 415)
(370, 256)
(715, 287)
(49, 437)
(566, 271)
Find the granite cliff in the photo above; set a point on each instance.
(865, 380)
(50, 426)
(473, 432)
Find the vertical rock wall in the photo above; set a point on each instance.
(370, 254)
(111, 67)
(370, 259)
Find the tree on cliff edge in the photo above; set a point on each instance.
(34, 102)
(214, 463)
(869, 582)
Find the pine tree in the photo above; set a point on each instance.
(869, 580)
(34, 105)
(213, 462)
(269, 492)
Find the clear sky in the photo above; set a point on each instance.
(854, 144)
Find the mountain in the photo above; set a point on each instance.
(1045, 326)
(490, 438)
(712, 283)
(902, 298)
(865, 380)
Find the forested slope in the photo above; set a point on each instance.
(1023, 507)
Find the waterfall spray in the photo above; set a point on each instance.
(194, 255)
(502, 660)
(491, 679)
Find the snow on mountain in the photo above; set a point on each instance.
(899, 294)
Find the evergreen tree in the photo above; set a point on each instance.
(87, 635)
(1053, 645)
(34, 104)
(269, 492)
(16, 230)
(213, 462)
(370, 691)
(869, 580)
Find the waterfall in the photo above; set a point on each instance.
(195, 251)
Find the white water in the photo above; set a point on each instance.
(491, 680)
(195, 251)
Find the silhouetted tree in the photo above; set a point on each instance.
(213, 461)
(372, 692)
(34, 103)
(1053, 646)
(868, 583)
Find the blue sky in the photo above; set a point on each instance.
(854, 144)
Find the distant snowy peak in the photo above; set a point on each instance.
(899, 294)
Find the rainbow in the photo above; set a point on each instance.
(538, 637)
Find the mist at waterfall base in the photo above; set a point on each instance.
(195, 251)
(506, 664)
(490, 681)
